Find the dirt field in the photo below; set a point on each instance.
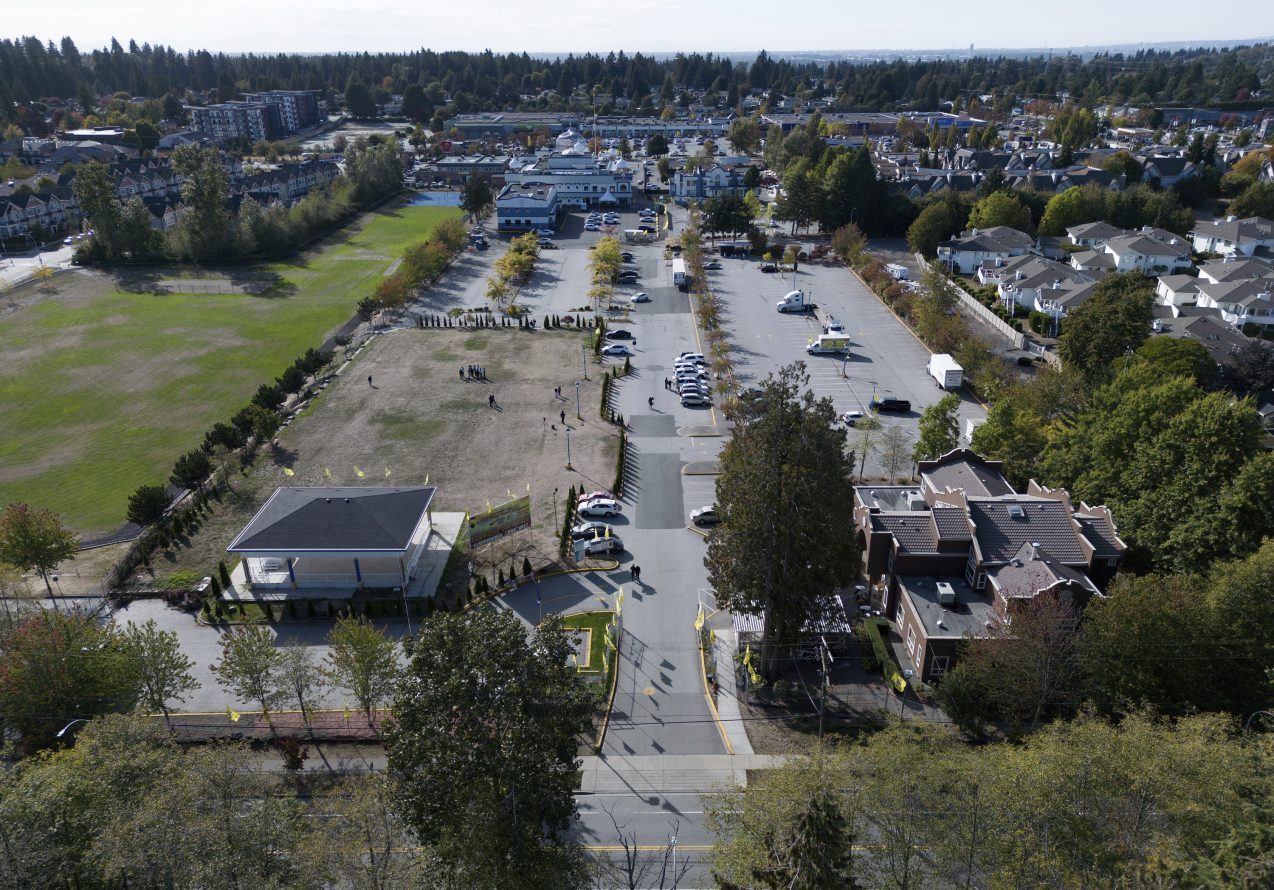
(419, 420)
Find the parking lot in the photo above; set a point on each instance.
(885, 359)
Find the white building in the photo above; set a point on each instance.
(1232, 236)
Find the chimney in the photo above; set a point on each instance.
(1035, 550)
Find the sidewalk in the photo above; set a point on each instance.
(668, 773)
(727, 694)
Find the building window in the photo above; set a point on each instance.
(911, 640)
(1112, 561)
(938, 667)
(981, 582)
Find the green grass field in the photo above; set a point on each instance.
(100, 390)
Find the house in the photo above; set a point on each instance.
(585, 185)
(522, 206)
(1168, 171)
(947, 559)
(968, 252)
(1062, 298)
(459, 170)
(1235, 268)
(1241, 303)
(334, 541)
(1205, 326)
(1233, 236)
(1020, 280)
(1092, 235)
(1148, 251)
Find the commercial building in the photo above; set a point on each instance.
(298, 109)
(234, 121)
(521, 206)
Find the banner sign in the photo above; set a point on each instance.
(497, 522)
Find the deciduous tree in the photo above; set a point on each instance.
(163, 671)
(939, 428)
(35, 540)
(361, 660)
(249, 666)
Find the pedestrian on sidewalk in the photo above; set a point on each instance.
(369, 381)
(491, 400)
(462, 373)
(562, 415)
(650, 402)
(637, 573)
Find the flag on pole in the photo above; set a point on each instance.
(327, 474)
(528, 488)
(509, 492)
(699, 618)
(488, 506)
(595, 533)
(387, 474)
(347, 713)
(747, 655)
(712, 637)
(288, 471)
(537, 591)
(426, 478)
(610, 644)
(359, 473)
(608, 532)
(605, 662)
(753, 675)
(233, 714)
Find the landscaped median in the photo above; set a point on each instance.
(602, 642)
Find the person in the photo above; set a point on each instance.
(369, 379)
(562, 416)
(491, 400)
(637, 573)
(462, 373)
(650, 402)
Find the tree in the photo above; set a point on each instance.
(801, 198)
(790, 827)
(257, 421)
(1112, 324)
(203, 229)
(851, 192)
(163, 671)
(95, 191)
(1014, 434)
(485, 734)
(250, 665)
(59, 666)
(1187, 358)
(752, 177)
(361, 660)
(935, 224)
(657, 145)
(892, 449)
(1252, 366)
(745, 136)
(776, 550)
(35, 540)
(358, 100)
(1000, 209)
(728, 214)
(1070, 208)
(300, 678)
(849, 244)
(191, 469)
(939, 428)
(147, 505)
(1256, 200)
(476, 197)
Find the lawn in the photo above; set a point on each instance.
(101, 389)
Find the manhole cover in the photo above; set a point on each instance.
(649, 690)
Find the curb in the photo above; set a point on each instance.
(707, 693)
(610, 702)
(507, 588)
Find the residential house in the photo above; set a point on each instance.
(1233, 236)
(1236, 268)
(949, 558)
(1241, 303)
(1149, 251)
(1204, 326)
(971, 249)
(714, 182)
(1020, 280)
(1168, 171)
(1092, 235)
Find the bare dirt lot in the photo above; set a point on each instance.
(419, 418)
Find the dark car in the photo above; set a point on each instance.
(891, 404)
(769, 267)
(626, 257)
(620, 335)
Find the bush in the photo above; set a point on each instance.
(215, 586)
(526, 566)
(268, 396)
(191, 469)
(224, 573)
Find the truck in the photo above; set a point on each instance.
(828, 344)
(795, 302)
(944, 369)
(680, 277)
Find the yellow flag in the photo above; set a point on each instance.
(753, 675)
(699, 618)
(359, 473)
(387, 472)
(595, 533)
(620, 599)
(327, 474)
(232, 714)
(747, 655)
(608, 532)
(509, 492)
(488, 506)
(610, 644)
(605, 662)
(426, 478)
(712, 637)
(347, 713)
(528, 488)
(288, 471)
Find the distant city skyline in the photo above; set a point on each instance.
(740, 27)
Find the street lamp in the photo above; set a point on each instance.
(1247, 724)
(583, 363)
(568, 449)
(578, 415)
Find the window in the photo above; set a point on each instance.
(981, 582)
(939, 665)
(911, 639)
(1112, 561)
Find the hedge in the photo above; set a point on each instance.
(881, 651)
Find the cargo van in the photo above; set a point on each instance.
(828, 344)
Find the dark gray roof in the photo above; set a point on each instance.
(1028, 574)
(1042, 521)
(913, 531)
(970, 614)
(965, 471)
(952, 524)
(1100, 533)
(338, 518)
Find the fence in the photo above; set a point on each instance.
(985, 315)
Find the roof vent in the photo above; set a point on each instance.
(347, 500)
(946, 594)
(1016, 511)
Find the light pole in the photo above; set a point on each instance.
(674, 858)
(1247, 724)
(583, 363)
(556, 524)
(578, 415)
(568, 449)
(54, 579)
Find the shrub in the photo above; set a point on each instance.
(191, 469)
(342, 339)
(215, 586)
(224, 573)
(268, 396)
(500, 578)
(526, 566)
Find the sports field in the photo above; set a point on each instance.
(101, 389)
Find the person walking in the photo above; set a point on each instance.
(462, 373)
(562, 416)
(650, 402)
(637, 573)
(491, 400)
(369, 381)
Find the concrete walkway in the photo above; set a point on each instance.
(727, 694)
(667, 773)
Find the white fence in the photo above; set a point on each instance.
(985, 315)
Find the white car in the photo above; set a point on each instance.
(592, 227)
(544, 233)
(695, 400)
(641, 297)
(603, 546)
(589, 530)
(689, 363)
(616, 349)
(705, 515)
(835, 327)
(599, 507)
(693, 356)
(850, 418)
(694, 389)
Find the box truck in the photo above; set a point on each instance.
(828, 344)
(945, 371)
(679, 275)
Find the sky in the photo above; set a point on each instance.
(741, 26)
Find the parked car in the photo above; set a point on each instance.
(596, 495)
(888, 404)
(592, 227)
(694, 356)
(620, 334)
(629, 275)
(599, 507)
(705, 515)
(769, 267)
(544, 233)
(587, 530)
(695, 400)
(626, 257)
(546, 244)
(639, 297)
(834, 327)
(616, 349)
(713, 265)
(851, 418)
(603, 546)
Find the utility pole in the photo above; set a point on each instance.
(824, 656)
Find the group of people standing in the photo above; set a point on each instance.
(472, 372)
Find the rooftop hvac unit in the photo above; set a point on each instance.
(946, 594)
(916, 501)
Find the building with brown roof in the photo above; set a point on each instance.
(943, 559)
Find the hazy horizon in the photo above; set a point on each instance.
(648, 26)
